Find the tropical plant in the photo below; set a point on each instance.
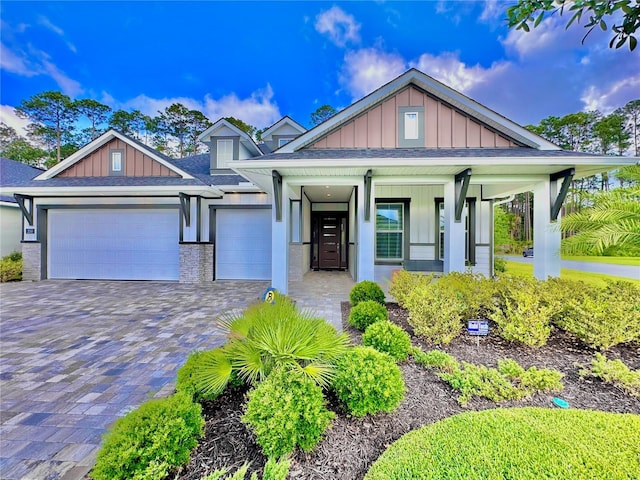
(266, 336)
(286, 411)
(613, 220)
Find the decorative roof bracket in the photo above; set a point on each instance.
(277, 194)
(367, 195)
(462, 185)
(567, 178)
(27, 210)
(185, 208)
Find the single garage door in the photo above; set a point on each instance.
(243, 244)
(113, 244)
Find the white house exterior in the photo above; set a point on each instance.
(407, 176)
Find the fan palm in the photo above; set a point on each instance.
(266, 336)
(614, 220)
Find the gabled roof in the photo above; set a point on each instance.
(438, 90)
(245, 139)
(286, 120)
(102, 140)
(15, 173)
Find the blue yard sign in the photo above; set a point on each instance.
(478, 327)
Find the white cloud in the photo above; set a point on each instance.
(607, 98)
(16, 63)
(339, 26)
(45, 22)
(368, 69)
(151, 106)
(9, 117)
(67, 85)
(492, 10)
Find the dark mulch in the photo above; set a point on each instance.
(351, 445)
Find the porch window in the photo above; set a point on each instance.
(389, 231)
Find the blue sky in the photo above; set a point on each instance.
(259, 61)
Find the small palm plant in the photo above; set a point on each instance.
(266, 336)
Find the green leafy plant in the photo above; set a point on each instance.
(286, 411)
(266, 336)
(404, 282)
(499, 265)
(389, 338)
(150, 440)
(366, 313)
(474, 291)
(435, 359)
(11, 267)
(273, 470)
(434, 313)
(366, 290)
(478, 380)
(368, 382)
(523, 312)
(614, 372)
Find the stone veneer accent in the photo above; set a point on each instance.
(31, 261)
(296, 270)
(196, 262)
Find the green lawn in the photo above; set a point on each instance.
(632, 261)
(518, 443)
(599, 279)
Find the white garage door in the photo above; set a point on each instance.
(115, 244)
(243, 244)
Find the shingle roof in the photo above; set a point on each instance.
(111, 182)
(199, 166)
(16, 173)
(319, 154)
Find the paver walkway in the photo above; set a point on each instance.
(76, 355)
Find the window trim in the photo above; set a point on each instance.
(470, 228)
(285, 140)
(112, 154)
(226, 141)
(404, 142)
(406, 233)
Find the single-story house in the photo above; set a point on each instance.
(12, 173)
(406, 176)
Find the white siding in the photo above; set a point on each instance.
(10, 230)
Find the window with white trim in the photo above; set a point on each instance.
(390, 231)
(116, 162)
(224, 149)
(411, 126)
(283, 141)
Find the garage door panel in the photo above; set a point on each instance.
(243, 244)
(114, 244)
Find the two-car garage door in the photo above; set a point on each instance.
(113, 244)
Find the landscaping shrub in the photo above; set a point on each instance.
(517, 443)
(499, 265)
(286, 411)
(273, 470)
(403, 283)
(478, 380)
(603, 317)
(524, 310)
(388, 338)
(614, 372)
(368, 382)
(11, 267)
(434, 313)
(186, 381)
(366, 313)
(266, 336)
(147, 442)
(474, 291)
(435, 359)
(366, 290)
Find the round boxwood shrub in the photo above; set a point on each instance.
(366, 313)
(366, 290)
(368, 382)
(286, 411)
(154, 438)
(389, 338)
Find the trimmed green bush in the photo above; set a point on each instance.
(519, 443)
(368, 382)
(273, 470)
(286, 411)
(267, 336)
(603, 317)
(388, 338)
(434, 313)
(499, 265)
(435, 359)
(474, 291)
(366, 290)
(403, 283)
(614, 372)
(367, 313)
(150, 440)
(11, 267)
(524, 310)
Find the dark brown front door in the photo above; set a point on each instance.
(329, 241)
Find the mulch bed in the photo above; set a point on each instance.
(351, 445)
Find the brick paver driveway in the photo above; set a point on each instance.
(75, 355)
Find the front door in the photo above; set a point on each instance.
(330, 238)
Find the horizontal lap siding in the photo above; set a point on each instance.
(136, 163)
(445, 127)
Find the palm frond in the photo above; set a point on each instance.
(215, 372)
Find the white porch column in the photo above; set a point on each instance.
(454, 236)
(546, 237)
(366, 234)
(280, 243)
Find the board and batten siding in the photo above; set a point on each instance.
(136, 163)
(444, 126)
